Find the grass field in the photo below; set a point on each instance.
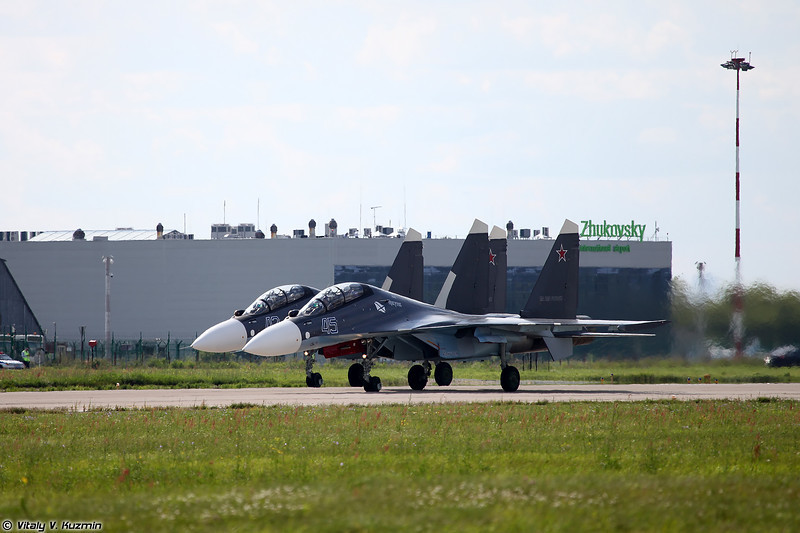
(291, 374)
(646, 466)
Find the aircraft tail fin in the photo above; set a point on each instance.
(405, 274)
(466, 287)
(498, 270)
(555, 293)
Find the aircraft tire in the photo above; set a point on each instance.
(443, 374)
(314, 380)
(509, 379)
(417, 377)
(355, 375)
(373, 385)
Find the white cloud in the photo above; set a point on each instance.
(235, 37)
(152, 86)
(368, 119)
(600, 85)
(399, 46)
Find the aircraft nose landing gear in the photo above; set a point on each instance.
(373, 385)
(313, 379)
(370, 383)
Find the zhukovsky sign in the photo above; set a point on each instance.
(613, 231)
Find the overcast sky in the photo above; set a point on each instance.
(127, 114)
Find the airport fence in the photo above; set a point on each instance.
(141, 351)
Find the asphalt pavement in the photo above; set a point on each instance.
(548, 392)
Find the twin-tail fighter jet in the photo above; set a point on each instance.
(405, 279)
(390, 325)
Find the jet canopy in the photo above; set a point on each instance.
(334, 297)
(277, 298)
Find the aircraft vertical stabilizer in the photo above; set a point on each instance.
(498, 267)
(555, 294)
(405, 274)
(466, 288)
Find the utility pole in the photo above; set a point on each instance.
(108, 260)
(374, 207)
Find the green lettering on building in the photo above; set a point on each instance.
(612, 231)
(606, 248)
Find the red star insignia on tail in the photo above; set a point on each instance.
(562, 254)
(491, 256)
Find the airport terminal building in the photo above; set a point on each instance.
(178, 286)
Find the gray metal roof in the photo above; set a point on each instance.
(122, 234)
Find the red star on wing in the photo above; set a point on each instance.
(491, 256)
(562, 254)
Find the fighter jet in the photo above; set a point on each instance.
(389, 325)
(405, 278)
(476, 284)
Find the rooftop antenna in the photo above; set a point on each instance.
(737, 321)
(258, 213)
(405, 219)
(374, 207)
(655, 233)
(224, 208)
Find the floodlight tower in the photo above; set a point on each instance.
(737, 64)
(108, 260)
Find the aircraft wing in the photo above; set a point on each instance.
(515, 324)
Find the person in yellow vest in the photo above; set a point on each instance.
(26, 357)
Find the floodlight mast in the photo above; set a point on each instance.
(737, 322)
(108, 260)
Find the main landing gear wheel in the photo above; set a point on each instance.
(355, 375)
(417, 377)
(314, 380)
(443, 374)
(373, 385)
(509, 379)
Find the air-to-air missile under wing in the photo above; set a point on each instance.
(405, 329)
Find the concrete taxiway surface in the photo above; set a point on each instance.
(550, 392)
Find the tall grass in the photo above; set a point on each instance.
(666, 466)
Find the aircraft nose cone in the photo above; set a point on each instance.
(281, 339)
(228, 336)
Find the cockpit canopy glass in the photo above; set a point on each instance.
(333, 298)
(276, 298)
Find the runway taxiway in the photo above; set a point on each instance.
(550, 392)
